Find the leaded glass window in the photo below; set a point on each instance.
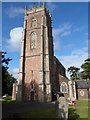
(64, 88)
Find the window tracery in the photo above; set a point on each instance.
(64, 88)
(33, 23)
(33, 40)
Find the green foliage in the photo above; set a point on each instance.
(72, 115)
(7, 78)
(73, 71)
(79, 110)
(85, 74)
(82, 75)
(5, 61)
(8, 97)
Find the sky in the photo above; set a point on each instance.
(69, 26)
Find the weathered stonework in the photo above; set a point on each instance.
(82, 94)
(39, 70)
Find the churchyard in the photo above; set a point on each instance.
(76, 112)
(80, 109)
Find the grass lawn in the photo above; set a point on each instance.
(41, 113)
(82, 103)
(8, 102)
(81, 108)
(83, 112)
(76, 112)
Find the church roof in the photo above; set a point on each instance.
(59, 63)
(82, 84)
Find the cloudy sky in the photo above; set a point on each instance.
(69, 25)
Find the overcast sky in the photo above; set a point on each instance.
(69, 25)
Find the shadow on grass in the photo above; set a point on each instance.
(11, 116)
(47, 114)
(72, 115)
(17, 116)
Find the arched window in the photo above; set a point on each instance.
(33, 40)
(64, 88)
(33, 23)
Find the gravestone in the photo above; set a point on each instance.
(62, 108)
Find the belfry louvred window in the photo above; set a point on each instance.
(33, 23)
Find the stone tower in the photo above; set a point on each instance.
(36, 60)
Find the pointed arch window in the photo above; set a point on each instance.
(33, 23)
(33, 40)
(64, 87)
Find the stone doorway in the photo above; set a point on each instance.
(32, 95)
(32, 89)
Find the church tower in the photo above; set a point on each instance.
(36, 60)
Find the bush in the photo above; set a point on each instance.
(8, 97)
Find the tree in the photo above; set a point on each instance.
(7, 78)
(85, 74)
(73, 71)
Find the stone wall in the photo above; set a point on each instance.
(59, 77)
(82, 94)
(40, 71)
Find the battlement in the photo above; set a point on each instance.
(36, 9)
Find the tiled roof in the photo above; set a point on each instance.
(82, 84)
